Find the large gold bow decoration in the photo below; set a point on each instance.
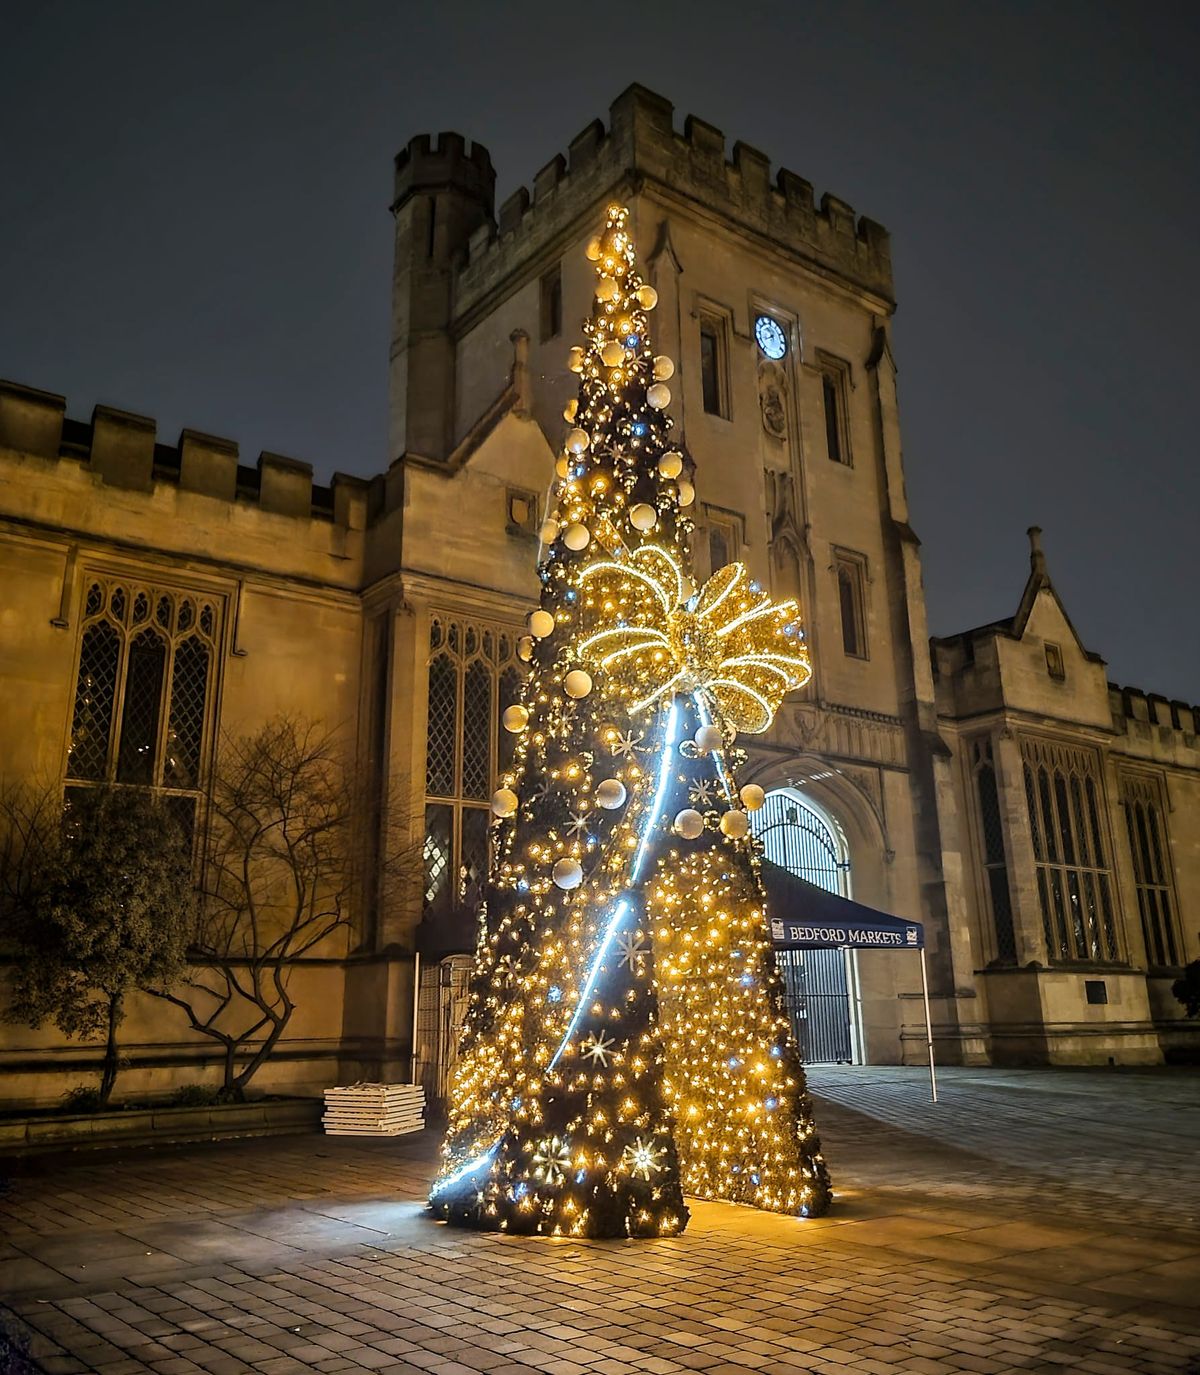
(728, 641)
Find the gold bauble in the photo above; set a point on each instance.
(515, 718)
(647, 297)
(752, 796)
(688, 823)
(664, 368)
(577, 683)
(525, 648)
(708, 739)
(541, 623)
(549, 531)
(670, 464)
(607, 289)
(610, 794)
(575, 359)
(643, 516)
(571, 410)
(504, 802)
(577, 441)
(687, 493)
(577, 536)
(735, 824)
(613, 353)
(593, 251)
(567, 873)
(658, 395)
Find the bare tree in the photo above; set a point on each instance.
(294, 845)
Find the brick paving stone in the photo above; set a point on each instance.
(970, 1239)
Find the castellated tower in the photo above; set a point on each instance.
(443, 194)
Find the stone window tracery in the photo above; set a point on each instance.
(1065, 796)
(473, 674)
(144, 688)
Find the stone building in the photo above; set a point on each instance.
(1043, 825)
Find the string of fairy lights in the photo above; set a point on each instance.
(626, 1040)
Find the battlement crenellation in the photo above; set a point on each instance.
(641, 144)
(122, 450)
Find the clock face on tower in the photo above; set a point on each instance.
(771, 338)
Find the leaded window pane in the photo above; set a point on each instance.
(95, 696)
(994, 863)
(144, 676)
(477, 731)
(441, 733)
(473, 863)
(185, 733)
(1065, 805)
(438, 854)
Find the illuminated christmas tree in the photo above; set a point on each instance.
(626, 1040)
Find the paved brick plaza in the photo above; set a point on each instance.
(1032, 1221)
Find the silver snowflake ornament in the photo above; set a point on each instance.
(597, 1048)
(702, 793)
(625, 745)
(643, 1159)
(629, 943)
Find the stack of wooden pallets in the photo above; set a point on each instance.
(374, 1110)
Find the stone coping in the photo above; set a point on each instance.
(157, 1123)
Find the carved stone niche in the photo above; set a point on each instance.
(772, 399)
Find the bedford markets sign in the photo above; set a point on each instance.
(882, 934)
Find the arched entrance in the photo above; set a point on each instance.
(799, 835)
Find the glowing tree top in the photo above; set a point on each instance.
(626, 1039)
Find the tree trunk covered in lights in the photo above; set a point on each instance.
(626, 1039)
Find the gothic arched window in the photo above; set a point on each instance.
(143, 692)
(473, 675)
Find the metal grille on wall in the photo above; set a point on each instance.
(1065, 796)
(473, 674)
(143, 695)
(800, 838)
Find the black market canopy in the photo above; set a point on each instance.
(802, 916)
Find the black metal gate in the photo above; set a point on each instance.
(798, 838)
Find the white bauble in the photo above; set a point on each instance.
(577, 441)
(504, 802)
(577, 683)
(735, 825)
(577, 536)
(575, 359)
(670, 464)
(549, 530)
(709, 738)
(607, 289)
(643, 516)
(540, 623)
(610, 794)
(687, 493)
(593, 251)
(688, 823)
(664, 368)
(515, 718)
(658, 395)
(647, 297)
(525, 648)
(613, 354)
(567, 873)
(752, 797)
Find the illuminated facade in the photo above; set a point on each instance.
(1044, 826)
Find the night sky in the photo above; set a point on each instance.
(195, 227)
